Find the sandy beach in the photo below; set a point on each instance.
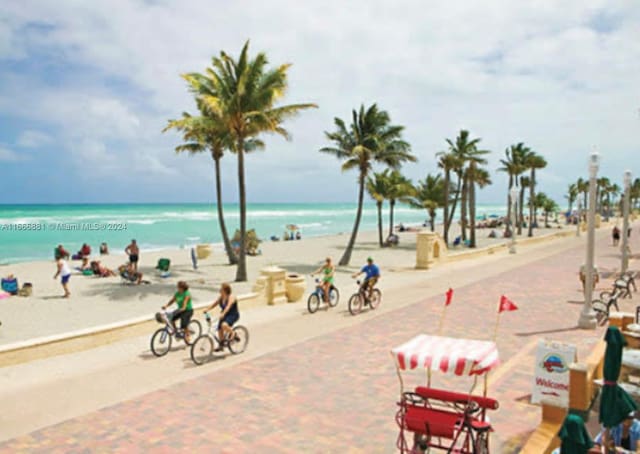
(101, 301)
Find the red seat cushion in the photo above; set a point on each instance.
(437, 423)
(450, 396)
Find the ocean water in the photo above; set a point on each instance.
(30, 232)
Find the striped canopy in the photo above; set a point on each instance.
(446, 354)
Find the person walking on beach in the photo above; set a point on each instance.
(327, 270)
(64, 271)
(615, 234)
(372, 274)
(134, 254)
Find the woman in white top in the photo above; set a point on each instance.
(65, 272)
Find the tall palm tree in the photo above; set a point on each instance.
(370, 138)
(449, 162)
(378, 189)
(429, 194)
(477, 176)
(524, 185)
(582, 186)
(614, 192)
(462, 147)
(572, 194)
(400, 189)
(208, 133)
(635, 193)
(513, 166)
(533, 162)
(244, 94)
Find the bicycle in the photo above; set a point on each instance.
(364, 297)
(313, 303)
(204, 346)
(162, 338)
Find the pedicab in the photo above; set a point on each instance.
(451, 421)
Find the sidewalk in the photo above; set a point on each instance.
(337, 393)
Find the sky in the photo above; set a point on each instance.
(87, 87)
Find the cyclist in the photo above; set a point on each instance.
(229, 313)
(327, 270)
(184, 312)
(372, 274)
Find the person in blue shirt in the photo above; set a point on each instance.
(372, 274)
(625, 435)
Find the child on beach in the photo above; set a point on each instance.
(64, 271)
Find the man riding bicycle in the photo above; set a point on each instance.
(372, 274)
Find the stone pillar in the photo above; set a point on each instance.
(276, 289)
(424, 249)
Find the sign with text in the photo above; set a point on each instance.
(551, 376)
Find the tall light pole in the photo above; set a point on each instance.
(625, 222)
(587, 318)
(579, 212)
(514, 198)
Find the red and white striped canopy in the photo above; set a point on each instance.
(447, 354)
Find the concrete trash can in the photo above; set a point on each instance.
(203, 251)
(296, 287)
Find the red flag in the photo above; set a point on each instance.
(506, 305)
(449, 296)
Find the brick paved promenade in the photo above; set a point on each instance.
(337, 393)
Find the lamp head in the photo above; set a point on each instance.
(594, 163)
(627, 179)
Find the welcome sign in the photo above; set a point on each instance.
(551, 377)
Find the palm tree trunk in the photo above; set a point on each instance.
(392, 204)
(346, 257)
(241, 272)
(472, 213)
(447, 177)
(532, 214)
(453, 207)
(432, 220)
(463, 208)
(223, 227)
(521, 210)
(379, 206)
(509, 226)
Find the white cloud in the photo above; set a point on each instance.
(33, 139)
(7, 155)
(560, 76)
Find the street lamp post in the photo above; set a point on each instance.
(514, 197)
(579, 212)
(625, 222)
(587, 318)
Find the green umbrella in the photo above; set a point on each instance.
(615, 403)
(574, 436)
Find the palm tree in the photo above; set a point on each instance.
(429, 194)
(524, 184)
(400, 189)
(370, 138)
(512, 165)
(583, 188)
(614, 192)
(243, 93)
(635, 193)
(533, 162)
(378, 189)
(546, 204)
(449, 162)
(572, 194)
(462, 148)
(477, 176)
(204, 133)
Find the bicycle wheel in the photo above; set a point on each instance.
(355, 304)
(481, 445)
(202, 349)
(376, 298)
(161, 342)
(240, 341)
(602, 311)
(195, 331)
(334, 297)
(313, 303)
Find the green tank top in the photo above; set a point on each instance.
(180, 297)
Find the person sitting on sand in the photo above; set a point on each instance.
(130, 273)
(492, 234)
(229, 314)
(298, 235)
(85, 264)
(327, 270)
(104, 249)
(100, 270)
(133, 251)
(64, 272)
(182, 298)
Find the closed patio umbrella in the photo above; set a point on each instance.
(574, 436)
(615, 403)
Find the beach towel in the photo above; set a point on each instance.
(9, 285)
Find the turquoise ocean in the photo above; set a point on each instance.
(30, 232)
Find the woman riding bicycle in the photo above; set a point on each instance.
(229, 315)
(327, 270)
(184, 312)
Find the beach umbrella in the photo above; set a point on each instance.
(574, 436)
(615, 403)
